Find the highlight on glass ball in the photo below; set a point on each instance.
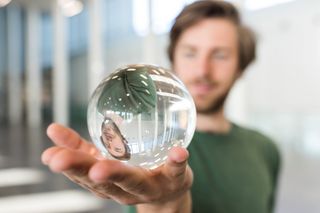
(138, 113)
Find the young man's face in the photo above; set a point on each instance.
(206, 60)
(113, 141)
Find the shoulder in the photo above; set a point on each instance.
(266, 146)
(254, 136)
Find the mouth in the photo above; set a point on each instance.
(201, 88)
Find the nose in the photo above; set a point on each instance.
(203, 67)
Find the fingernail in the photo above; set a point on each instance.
(45, 159)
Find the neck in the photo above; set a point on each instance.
(215, 122)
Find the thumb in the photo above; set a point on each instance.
(176, 164)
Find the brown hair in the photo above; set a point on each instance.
(204, 9)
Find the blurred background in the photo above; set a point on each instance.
(53, 53)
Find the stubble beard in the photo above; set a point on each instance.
(215, 106)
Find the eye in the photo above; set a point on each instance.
(188, 54)
(220, 55)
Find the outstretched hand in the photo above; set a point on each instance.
(164, 188)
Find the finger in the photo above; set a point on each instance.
(176, 164)
(66, 137)
(48, 153)
(74, 163)
(131, 179)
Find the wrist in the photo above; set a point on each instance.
(182, 204)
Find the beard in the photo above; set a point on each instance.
(214, 101)
(214, 106)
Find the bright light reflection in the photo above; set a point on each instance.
(71, 7)
(4, 3)
(260, 4)
(163, 13)
(141, 17)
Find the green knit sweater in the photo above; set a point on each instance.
(233, 173)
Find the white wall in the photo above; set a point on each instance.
(286, 75)
(282, 96)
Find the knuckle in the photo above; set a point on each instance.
(179, 174)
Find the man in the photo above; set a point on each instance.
(234, 169)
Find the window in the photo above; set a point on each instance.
(260, 4)
(162, 15)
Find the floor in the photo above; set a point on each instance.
(28, 186)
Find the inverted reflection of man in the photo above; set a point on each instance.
(114, 141)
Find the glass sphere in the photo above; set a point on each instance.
(139, 113)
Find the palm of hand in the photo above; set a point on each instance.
(82, 163)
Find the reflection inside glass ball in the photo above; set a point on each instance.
(139, 113)
(114, 141)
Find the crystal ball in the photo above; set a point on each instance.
(138, 113)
